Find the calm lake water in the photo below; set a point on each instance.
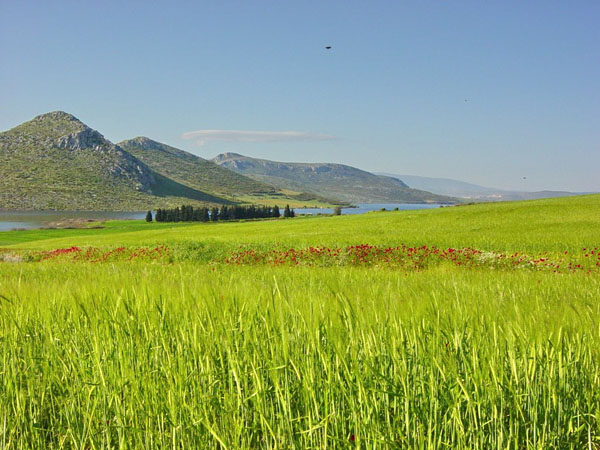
(367, 207)
(36, 219)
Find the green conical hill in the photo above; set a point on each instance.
(55, 161)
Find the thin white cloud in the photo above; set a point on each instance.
(202, 137)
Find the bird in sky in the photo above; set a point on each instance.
(328, 47)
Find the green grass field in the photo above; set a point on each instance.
(188, 351)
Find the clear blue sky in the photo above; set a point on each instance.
(391, 91)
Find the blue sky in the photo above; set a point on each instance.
(389, 96)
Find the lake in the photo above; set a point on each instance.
(37, 219)
(10, 220)
(368, 207)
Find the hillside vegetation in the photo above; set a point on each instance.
(203, 175)
(57, 162)
(332, 180)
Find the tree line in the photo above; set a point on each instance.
(187, 213)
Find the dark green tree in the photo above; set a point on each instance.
(149, 216)
(276, 212)
(287, 212)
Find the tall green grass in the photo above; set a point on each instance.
(185, 353)
(193, 356)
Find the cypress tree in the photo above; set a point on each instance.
(205, 215)
(149, 216)
(214, 214)
(276, 212)
(286, 211)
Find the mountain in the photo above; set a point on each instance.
(55, 161)
(456, 188)
(339, 181)
(201, 174)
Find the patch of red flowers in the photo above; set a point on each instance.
(61, 251)
(413, 258)
(403, 257)
(98, 255)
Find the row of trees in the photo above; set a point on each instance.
(188, 213)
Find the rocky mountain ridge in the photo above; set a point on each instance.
(345, 183)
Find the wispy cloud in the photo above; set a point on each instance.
(202, 137)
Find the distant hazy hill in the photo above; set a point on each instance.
(455, 188)
(57, 162)
(332, 180)
(204, 175)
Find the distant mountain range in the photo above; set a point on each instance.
(461, 189)
(339, 181)
(55, 161)
(206, 176)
